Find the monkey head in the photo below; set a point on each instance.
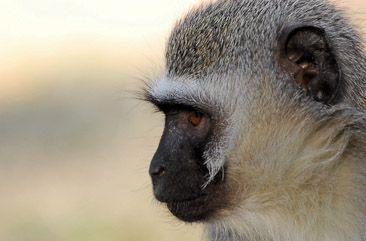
(248, 94)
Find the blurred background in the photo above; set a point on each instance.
(75, 144)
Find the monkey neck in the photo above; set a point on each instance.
(332, 211)
(309, 185)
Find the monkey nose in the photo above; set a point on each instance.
(157, 171)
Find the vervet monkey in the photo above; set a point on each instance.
(265, 130)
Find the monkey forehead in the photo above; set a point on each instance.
(200, 41)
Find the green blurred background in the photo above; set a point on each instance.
(75, 144)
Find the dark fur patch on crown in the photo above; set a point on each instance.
(198, 43)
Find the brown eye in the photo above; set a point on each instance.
(195, 118)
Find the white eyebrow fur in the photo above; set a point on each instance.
(181, 91)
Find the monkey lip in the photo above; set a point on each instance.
(188, 200)
(190, 210)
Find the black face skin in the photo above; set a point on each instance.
(177, 169)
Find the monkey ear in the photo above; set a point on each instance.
(308, 57)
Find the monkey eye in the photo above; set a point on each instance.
(195, 118)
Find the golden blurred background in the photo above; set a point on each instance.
(75, 144)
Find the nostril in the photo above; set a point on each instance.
(158, 171)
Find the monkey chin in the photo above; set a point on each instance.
(191, 210)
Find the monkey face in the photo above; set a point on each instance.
(262, 91)
(177, 169)
(238, 96)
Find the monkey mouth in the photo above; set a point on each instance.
(190, 210)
